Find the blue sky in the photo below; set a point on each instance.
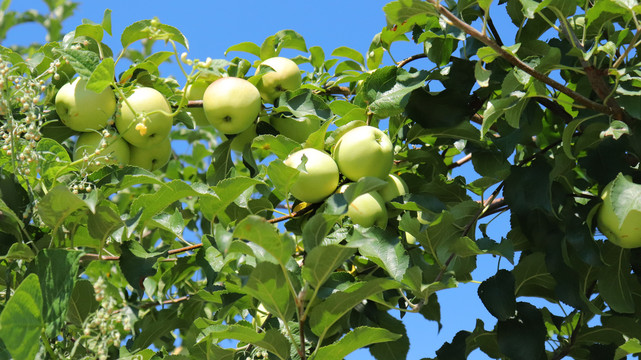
(213, 26)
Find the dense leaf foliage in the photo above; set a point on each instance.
(210, 257)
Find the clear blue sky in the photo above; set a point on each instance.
(213, 26)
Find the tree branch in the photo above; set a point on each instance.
(460, 161)
(300, 212)
(410, 59)
(580, 99)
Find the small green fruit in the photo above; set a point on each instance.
(231, 104)
(151, 158)
(366, 209)
(626, 233)
(84, 110)
(296, 129)
(153, 123)
(395, 187)
(286, 76)
(364, 151)
(318, 180)
(195, 91)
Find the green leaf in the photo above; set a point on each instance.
(497, 294)
(82, 302)
(319, 225)
(152, 204)
(55, 160)
(387, 91)
(326, 313)
(155, 325)
(9, 221)
(358, 338)
(227, 191)
(257, 230)
(317, 56)
(106, 21)
(322, 261)
(21, 320)
(90, 30)
(268, 284)
(282, 176)
(536, 179)
(57, 270)
(271, 340)
(137, 264)
(625, 196)
(614, 280)
(83, 61)
(152, 30)
(57, 205)
(303, 102)
(399, 11)
(102, 76)
(248, 47)
(19, 251)
(289, 39)
(279, 145)
(382, 248)
(120, 179)
(391, 350)
(531, 277)
(349, 53)
(221, 163)
(523, 337)
(103, 222)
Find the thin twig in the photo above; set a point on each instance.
(300, 212)
(460, 161)
(410, 59)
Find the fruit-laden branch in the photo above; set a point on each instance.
(580, 99)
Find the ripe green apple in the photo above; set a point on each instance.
(231, 104)
(626, 233)
(151, 158)
(296, 129)
(84, 110)
(241, 140)
(286, 76)
(318, 180)
(153, 123)
(195, 91)
(366, 209)
(364, 151)
(113, 150)
(394, 188)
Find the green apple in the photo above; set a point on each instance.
(112, 150)
(625, 233)
(366, 209)
(195, 91)
(231, 104)
(296, 129)
(151, 158)
(364, 151)
(84, 110)
(241, 140)
(318, 179)
(286, 76)
(145, 118)
(394, 188)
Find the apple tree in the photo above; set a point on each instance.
(298, 207)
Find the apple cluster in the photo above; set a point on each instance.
(233, 105)
(143, 123)
(365, 151)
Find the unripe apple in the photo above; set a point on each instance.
(241, 140)
(151, 158)
(231, 104)
(286, 76)
(112, 150)
(195, 91)
(364, 151)
(366, 209)
(84, 110)
(394, 188)
(626, 233)
(153, 122)
(296, 129)
(318, 179)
